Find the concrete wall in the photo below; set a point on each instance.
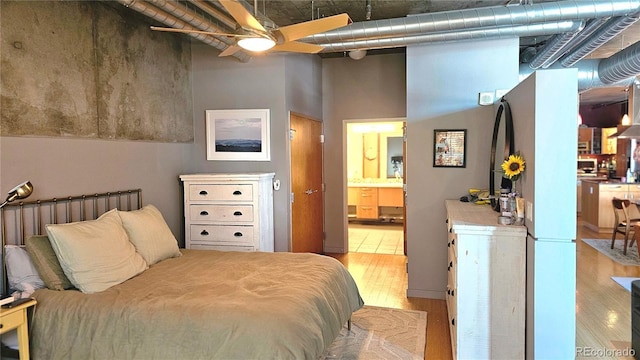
(87, 69)
(371, 88)
(58, 59)
(455, 74)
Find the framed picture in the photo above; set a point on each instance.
(238, 135)
(449, 148)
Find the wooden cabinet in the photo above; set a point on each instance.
(368, 200)
(597, 211)
(486, 284)
(229, 212)
(16, 318)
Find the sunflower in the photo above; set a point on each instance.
(513, 167)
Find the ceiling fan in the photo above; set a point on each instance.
(253, 36)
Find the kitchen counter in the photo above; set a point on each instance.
(597, 211)
(379, 183)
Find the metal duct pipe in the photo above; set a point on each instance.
(588, 75)
(191, 18)
(172, 21)
(554, 54)
(612, 28)
(217, 14)
(621, 65)
(495, 16)
(553, 46)
(493, 33)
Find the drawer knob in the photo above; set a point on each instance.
(237, 234)
(453, 241)
(204, 213)
(449, 244)
(453, 321)
(237, 213)
(237, 192)
(204, 233)
(453, 293)
(204, 192)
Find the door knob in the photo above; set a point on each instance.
(309, 191)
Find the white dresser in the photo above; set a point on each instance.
(229, 212)
(486, 284)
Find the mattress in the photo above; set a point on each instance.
(204, 304)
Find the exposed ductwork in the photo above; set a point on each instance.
(480, 18)
(564, 19)
(171, 20)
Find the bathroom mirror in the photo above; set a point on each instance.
(394, 157)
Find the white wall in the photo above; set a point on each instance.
(443, 82)
(371, 88)
(543, 106)
(278, 82)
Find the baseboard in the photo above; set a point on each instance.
(334, 250)
(428, 294)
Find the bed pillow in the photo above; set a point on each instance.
(150, 234)
(46, 263)
(21, 273)
(96, 254)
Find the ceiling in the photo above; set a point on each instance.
(287, 12)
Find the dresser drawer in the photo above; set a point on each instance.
(221, 235)
(221, 192)
(221, 213)
(11, 321)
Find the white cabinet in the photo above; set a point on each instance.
(486, 283)
(229, 212)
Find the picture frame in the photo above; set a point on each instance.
(449, 148)
(238, 135)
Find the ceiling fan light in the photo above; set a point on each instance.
(256, 44)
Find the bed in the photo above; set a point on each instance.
(186, 304)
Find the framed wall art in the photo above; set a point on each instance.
(238, 135)
(449, 148)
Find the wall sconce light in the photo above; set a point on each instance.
(625, 120)
(357, 54)
(19, 192)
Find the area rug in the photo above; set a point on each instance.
(624, 281)
(382, 333)
(615, 254)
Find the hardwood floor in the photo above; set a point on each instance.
(603, 308)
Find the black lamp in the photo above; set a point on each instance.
(19, 192)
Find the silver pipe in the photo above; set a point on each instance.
(190, 18)
(495, 16)
(553, 46)
(172, 21)
(621, 65)
(215, 13)
(591, 26)
(611, 29)
(588, 75)
(492, 33)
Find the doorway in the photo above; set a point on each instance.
(375, 166)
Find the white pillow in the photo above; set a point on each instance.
(95, 254)
(21, 272)
(150, 234)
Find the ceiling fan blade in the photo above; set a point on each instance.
(299, 47)
(242, 15)
(232, 49)
(186, 31)
(300, 30)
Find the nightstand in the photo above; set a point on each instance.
(16, 318)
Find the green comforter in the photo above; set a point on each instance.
(203, 305)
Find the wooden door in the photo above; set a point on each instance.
(404, 184)
(307, 208)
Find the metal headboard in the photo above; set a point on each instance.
(20, 220)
